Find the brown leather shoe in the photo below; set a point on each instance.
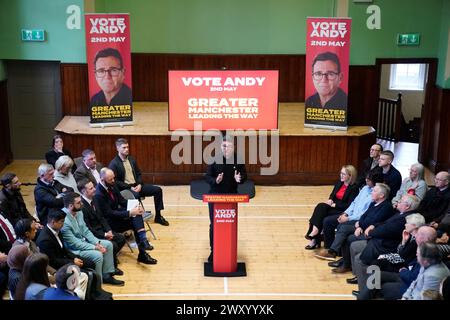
(341, 270)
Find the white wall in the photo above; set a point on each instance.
(411, 100)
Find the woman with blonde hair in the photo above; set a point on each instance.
(414, 184)
(344, 192)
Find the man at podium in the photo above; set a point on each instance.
(223, 176)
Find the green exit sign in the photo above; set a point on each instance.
(408, 39)
(33, 35)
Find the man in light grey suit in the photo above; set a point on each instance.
(80, 240)
(431, 273)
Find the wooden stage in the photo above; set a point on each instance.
(306, 156)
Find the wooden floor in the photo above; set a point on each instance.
(271, 243)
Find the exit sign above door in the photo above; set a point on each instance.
(33, 35)
(408, 39)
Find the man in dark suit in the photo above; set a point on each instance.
(383, 237)
(369, 164)
(89, 169)
(113, 207)
(97, 223)
(223, 176)
(436, 201)
(51, 243)
(128, 176)
(48, 192)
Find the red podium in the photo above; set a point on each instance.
(225, 236)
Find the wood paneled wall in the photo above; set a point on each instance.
(434, 149)
(311, 160)
(150, 81)
(5, 144)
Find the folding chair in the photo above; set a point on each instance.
(147, 216)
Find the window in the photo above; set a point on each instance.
(407, 76)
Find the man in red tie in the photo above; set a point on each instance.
(113, 206)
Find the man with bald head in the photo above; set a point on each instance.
(394, 284)
(114, 208)
(436, 201)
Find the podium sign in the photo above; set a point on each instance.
(225, 232)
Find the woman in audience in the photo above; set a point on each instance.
(34, 280)
(432, 272)
(25, 230)
(344, 192)
(63, 173)
(57, 151)
(16, 259)
(414, 184)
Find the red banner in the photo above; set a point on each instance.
(109, 67)
(327, 61)
(223, 99)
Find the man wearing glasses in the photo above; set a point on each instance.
(327, 77)
(110, 73)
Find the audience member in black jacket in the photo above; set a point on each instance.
(344, 192)
(48, 192)
(378, 211)
(96, 222)
(113, 207)
(369, 164)
(12, 204)
(58, 151)
(437, 199)
(406, 250)
(391, 175)
(224, 176)
(128, 176)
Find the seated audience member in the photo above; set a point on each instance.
(370, 164)
(26, 232)
(443, 226)
(431, 273)
(406, 250)
(436, 201)
(57, 151)
(89, 169)
(128, 176)
(51, 243)
(379, 210)
(80, 240)
(349, 216)
(63, 173)
(380, 238)
(97, 223)
(34, 280)
(343, 194)
(394, 284)
(16, 259)
(4, 270)
(444, 289)
(68, 279)
(114, 208)
(414, 184)
(391, 175)
(48, 192)
(12, 205)
(7, 234)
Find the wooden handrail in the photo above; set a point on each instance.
(389, 118)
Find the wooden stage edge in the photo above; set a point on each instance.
(306, 156)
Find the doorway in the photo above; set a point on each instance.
(34, 98)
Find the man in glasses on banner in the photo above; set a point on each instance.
(110, 73)
(327, 77)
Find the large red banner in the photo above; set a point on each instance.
(222, 99)
(327, 65)
(109, 67)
